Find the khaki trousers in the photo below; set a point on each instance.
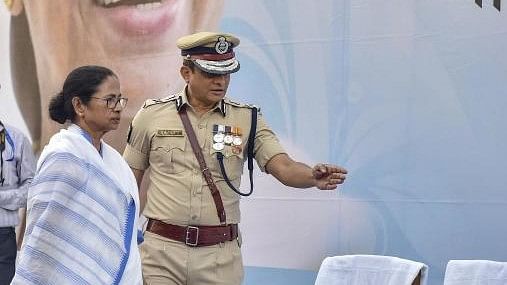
(168, 262)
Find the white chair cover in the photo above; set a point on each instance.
(475, 272)
(370, 270)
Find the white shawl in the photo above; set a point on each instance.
(82, 215)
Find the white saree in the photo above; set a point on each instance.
(82, 216)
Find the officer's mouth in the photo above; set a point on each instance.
(218, 92)
(139, 17)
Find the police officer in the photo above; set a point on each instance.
(17, 166)
(195, 144)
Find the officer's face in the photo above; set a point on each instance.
(100, 115)
(207, 88)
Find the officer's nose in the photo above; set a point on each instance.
(220, 79)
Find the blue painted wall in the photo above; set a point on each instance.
(410, 96)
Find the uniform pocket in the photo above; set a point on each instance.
(168, 154)
(233, 163)
(229, 263)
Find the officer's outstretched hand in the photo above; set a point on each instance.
(328, 176)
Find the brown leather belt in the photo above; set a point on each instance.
(194, 235)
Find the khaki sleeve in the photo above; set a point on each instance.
(266, 144)
(137, 151)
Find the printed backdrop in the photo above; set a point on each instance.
(409, 96)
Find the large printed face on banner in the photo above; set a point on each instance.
(134, 38)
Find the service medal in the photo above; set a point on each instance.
(218, 146)
(228, 139)
(237, 141)
(236, 149)
(218, 137)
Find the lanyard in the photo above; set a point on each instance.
(4, 136)
(250, 155)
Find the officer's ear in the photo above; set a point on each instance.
(185, 72)
(15, 7)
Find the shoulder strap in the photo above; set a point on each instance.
(202, 164)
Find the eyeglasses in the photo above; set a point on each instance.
(112, 102)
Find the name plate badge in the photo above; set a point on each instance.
(169, 133)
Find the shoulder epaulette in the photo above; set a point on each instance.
(240, 105)
(151, 102)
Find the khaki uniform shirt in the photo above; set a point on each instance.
(178, 193)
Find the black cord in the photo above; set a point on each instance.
(220, 158)
(250, 156)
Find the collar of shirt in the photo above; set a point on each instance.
(77, 129)
(182, 100)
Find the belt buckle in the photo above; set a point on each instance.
(187, 236)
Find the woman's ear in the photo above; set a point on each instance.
(15, 7)
(79, 107)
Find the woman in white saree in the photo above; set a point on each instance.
(83, 206)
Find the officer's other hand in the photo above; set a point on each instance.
(327, 176)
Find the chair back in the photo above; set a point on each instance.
(475, 272)
(371, 270)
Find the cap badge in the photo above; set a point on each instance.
(222, 46)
